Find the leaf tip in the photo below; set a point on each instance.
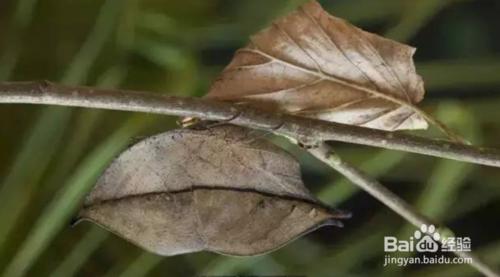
(75, 220)
(341, 214)
(332, 222)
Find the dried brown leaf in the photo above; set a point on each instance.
(220, 189)
(313, 64)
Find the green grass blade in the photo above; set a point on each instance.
(380, 10)
(461, 74)
(100, 33)
(416, 14)
(229, 265)
(142, 265)
(446, 179)
(81, 252)
(30, 164)
(378, 165)
(49, 128)
(59, 211)
(21, 20)
(88, 122)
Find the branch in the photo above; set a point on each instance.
(303, 129)
(325, 154)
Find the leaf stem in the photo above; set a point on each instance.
(443, 128)
(301, 128)
(325, 153)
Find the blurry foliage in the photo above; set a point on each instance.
(50, 157)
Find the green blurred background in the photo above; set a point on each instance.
(50, 157)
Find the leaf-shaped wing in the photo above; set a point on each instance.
(313, 64)
(221, 189)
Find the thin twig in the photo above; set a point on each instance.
(324, 153)
(303, 129)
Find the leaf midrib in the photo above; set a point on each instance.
(338, 80)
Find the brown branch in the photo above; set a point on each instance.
(301, 128)
(325, 154)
